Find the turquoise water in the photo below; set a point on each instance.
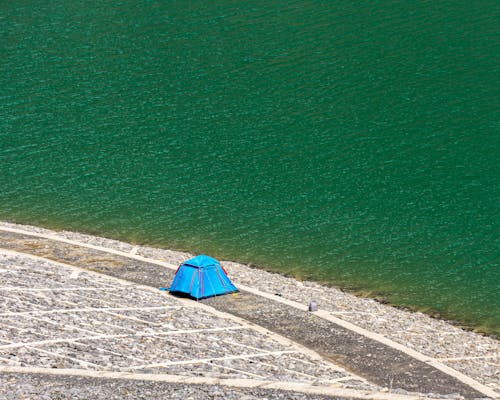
(354, 144)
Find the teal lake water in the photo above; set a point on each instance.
(356, 144)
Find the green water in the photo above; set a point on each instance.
(351, 143)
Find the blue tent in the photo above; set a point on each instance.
(201, 277)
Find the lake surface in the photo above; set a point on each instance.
(354, 144)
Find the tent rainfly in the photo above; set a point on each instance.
(201, 277)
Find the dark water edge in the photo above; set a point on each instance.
(381, 297)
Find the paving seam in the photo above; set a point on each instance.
(237, 383)
(320, 313)
(382, 339)
(189, 303)
(206, 360)
(118, 336)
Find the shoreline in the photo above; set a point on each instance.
(379, 297)
(468, 352)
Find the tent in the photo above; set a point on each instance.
(201, 277)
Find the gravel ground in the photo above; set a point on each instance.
(470, 353)
(57, 317)
(27, 386)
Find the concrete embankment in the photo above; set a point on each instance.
(122, 330)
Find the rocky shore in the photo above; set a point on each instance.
(437, 344)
